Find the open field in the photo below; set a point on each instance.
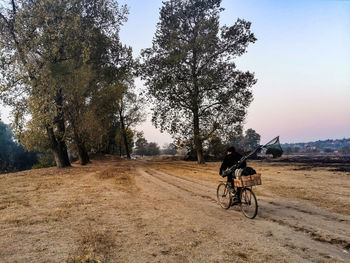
(165, 211)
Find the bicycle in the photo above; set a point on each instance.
(247, 199)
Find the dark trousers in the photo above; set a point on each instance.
(230, 178)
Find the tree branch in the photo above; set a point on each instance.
(14, 9)
(4, 18)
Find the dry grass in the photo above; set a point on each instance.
(95, 246)
(318, 186)
(97, 214)
(119, 175)
(44, 212)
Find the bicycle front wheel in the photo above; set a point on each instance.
(249, 204)
(224, 195)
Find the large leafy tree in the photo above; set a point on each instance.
(190, 71)
(58, 55)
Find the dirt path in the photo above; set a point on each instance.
(166, 211)
(283, 231)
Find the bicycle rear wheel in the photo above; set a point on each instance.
(249, 204)
(224, 195)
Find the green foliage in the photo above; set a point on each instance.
(190, 72)
(216, 148)
(141, 144)
(289, 149)
(6, 141)
(12, 155)
(244, 143)
(45, 161)
(152, 149)
(251, 140)
(345, 149)
(169, 149)
(145, 148)
(120, 143)
(328, 150)
(63, 63)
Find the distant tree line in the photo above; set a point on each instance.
(216, 147)
(143, 147)
(12, 155)
(169, 149)
(327, 146)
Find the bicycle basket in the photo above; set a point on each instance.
(249, 180)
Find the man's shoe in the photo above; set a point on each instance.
(236, 199)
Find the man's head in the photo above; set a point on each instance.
(230, 150)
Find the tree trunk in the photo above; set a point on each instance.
(79, 142)
(59, 149)
(120, 148)
(82, 154)
(124, 135)
(58, 143)
(198, 143)
(197, 140)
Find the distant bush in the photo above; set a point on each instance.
(169, 149)
(12, 155)
(145, 148)
(45, 160)
(291, 149)
(152, 149)
(345, 149)
(328, 150)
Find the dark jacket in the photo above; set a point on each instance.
(231, 160)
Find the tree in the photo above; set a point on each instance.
(345, 149)
(169, 149)
(328, 150)
(216, 148)
(12, 155)
(129, 112)
(145, 148)
(152, 149)
(120, 143)
(7, 146)
(251, 140)
(141, 144)
(59, 54)
(190, 72)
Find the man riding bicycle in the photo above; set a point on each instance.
(232, 157)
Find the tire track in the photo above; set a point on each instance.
(196, 181)
(313, 234)
(153, 173)
(313, 213)
(316, 235)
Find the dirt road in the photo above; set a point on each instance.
(166, 211)
(284, 231)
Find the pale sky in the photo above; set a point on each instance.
(301, 60)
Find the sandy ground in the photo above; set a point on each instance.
(166, 211)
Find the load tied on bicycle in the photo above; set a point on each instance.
(238, 189)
